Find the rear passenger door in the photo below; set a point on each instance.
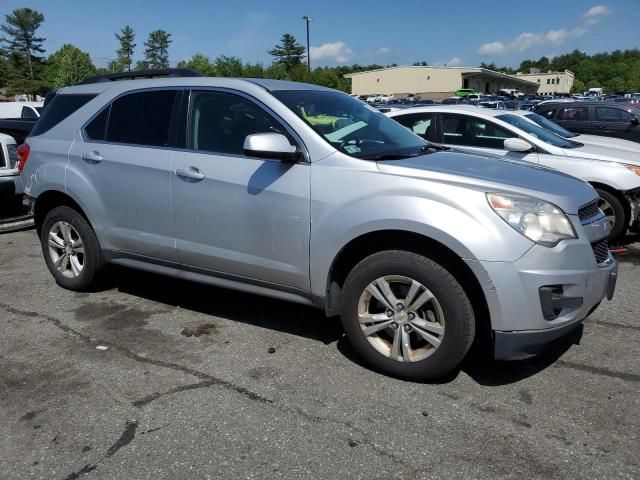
(239, 216)
(124, 155)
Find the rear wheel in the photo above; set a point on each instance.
(406, 315)
(70, 248)
(615, 213)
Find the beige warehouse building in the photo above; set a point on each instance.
(435, 83)
(550, 83)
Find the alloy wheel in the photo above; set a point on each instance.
(401, 318)
(608, 211)
(66, 249)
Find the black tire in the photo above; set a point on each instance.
(92, 258)
(619, 227)
(456, 307)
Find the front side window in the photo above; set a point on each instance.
(473, 132)
(421, 124)
(142, 118)
(609, 114)
(580, 114)
(220, 122)
(549, 125)
(351, 126)
(549, 113)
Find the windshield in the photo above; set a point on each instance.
(351, 126)
(549, 125)
(538, 132)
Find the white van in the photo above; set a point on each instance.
(20, 109)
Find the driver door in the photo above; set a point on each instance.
(236, 215)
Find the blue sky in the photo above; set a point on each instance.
(348, 32)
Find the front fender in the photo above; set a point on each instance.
(472, 233)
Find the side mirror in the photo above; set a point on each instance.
(270, 145)
(517, 145)
(635, 121)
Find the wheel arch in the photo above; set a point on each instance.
(50, 199)
(618, 194)
(364, 245)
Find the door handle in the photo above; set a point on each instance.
(192, 173)
(92, 157)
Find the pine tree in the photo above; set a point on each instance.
(23, 44)
(125, 52)
(288, 52)
(157, 52)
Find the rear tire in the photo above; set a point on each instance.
(615, 212)
(70, 248)
(434, 335)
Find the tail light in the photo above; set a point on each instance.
(23, 156)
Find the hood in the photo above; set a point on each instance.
(615, 143)
(492, 174)
(606, 153)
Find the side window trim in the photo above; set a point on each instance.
(179, 91)
(291, 132)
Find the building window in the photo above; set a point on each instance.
(548, 81)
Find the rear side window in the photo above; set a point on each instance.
(421, 124)
(578, 114)
(60, 107)
(97, 129)
(140, 118)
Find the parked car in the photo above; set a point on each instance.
(20, 109)
(418, 250)
(10, 183)
(615, 174)
(19, 129)
(464, 92)
(608, 142)
(594, 118)
(493, 104)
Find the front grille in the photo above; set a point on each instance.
(601, 250)
(589, 210)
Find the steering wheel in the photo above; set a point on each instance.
(355, 140)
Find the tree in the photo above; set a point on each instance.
(23, 44)
(578, 87)
(199, 62)
(142, 65)
(69, 65)
(125, 52)
(288, 52)
(228, 66)
(157, 52)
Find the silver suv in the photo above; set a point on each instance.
(305, 194)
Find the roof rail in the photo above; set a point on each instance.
(146, 73)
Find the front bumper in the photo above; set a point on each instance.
(544, 295)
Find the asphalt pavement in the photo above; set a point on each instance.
(150, 377)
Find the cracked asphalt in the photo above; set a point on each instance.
(149, 377)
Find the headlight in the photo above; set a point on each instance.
(634, 168)
(540, 221)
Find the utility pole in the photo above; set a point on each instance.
(308, 19)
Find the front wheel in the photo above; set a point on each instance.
(406, 315)
(70, 248)
(615, 213)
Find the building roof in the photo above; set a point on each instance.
(465, 72)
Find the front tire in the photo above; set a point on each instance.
(615, 213)
(70, 248)
(406, 315)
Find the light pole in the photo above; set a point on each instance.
(308, 19)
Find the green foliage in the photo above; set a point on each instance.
(288, 52)
(227, 66)
(199, 62)
(157, 52)
(22, 42)
(67, 66)
(578, 86)
(125, 52)
(617, 71)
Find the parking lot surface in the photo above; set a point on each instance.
(150, 377)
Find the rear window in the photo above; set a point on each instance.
(60, 107)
